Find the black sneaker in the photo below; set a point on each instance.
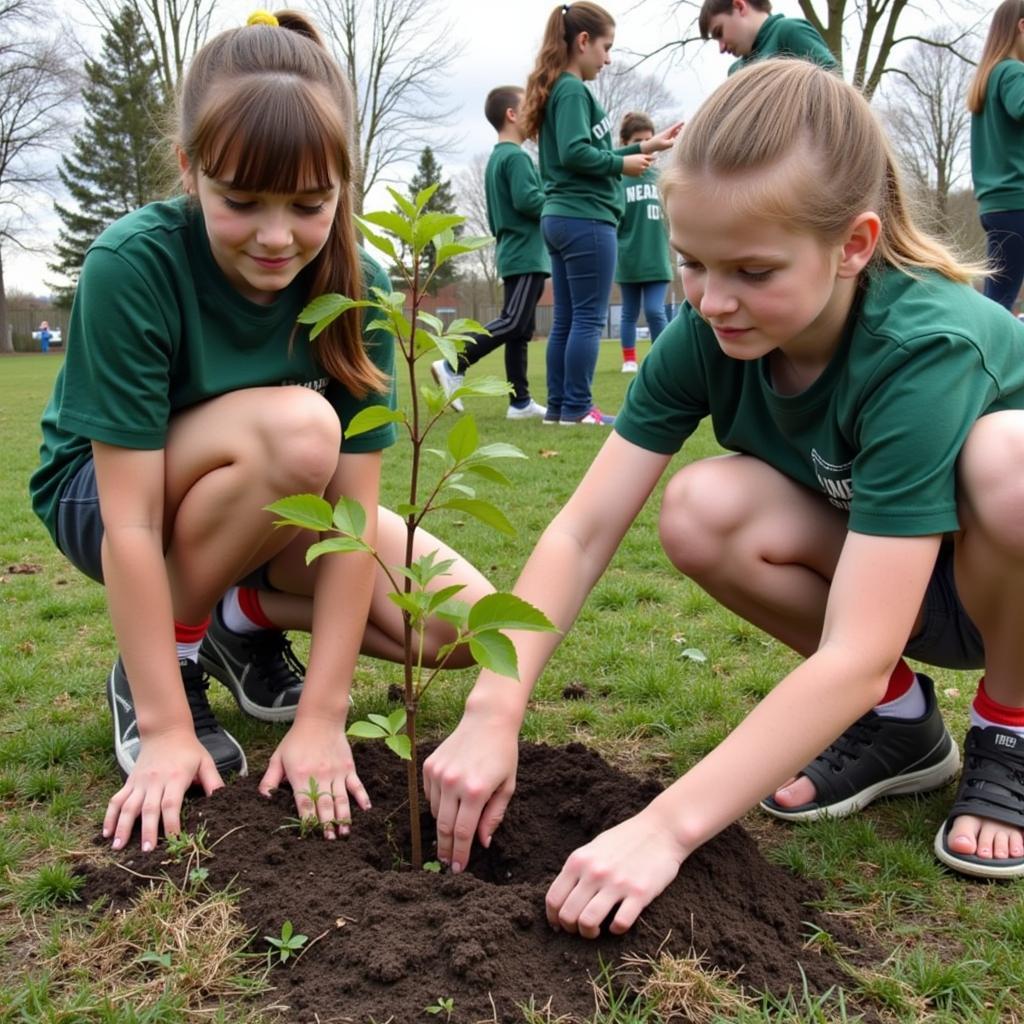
(878, 756)
(260, 669)
(225, 750)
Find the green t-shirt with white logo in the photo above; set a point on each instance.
(997, 141)
(156, 327)
(780, 36)
(578, 166)
(879, 432)
(515, 199)
(643, 233)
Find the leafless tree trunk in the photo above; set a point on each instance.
(930, 124)
(174, 29)
(473, 206)
(398, 55)
(37, 87)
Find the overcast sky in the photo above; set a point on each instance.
(497, 51)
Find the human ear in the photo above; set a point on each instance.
(860, 243)
(188, 178)
(582, 41)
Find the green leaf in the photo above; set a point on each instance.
(308, 511)
(450, 351)
(382, 721)
(425, 342)
(440, 597)
(402, 203)
(466, 326)
(400, 745)
(463, 438)
(396, 720)
(506, 611)
(433, 322)
(454, 485)
(484, 511)
(455, 612)
(415, 603)
(424, 195)
(495, 652)
(487, 387)
(428, 865)
(495, 476)
(499, 450)
(430, 225)
(382, 242)
(349, 517)
(450, 250)
(366, 731)
(694, 654)
(335, 546)
(393, 223)
(404, 509)
(371, 417)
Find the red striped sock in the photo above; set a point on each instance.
(629, 355)
(995, 713)
(901, 680)
(184, 634)
(252, 609)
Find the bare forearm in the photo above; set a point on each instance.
(139, 599)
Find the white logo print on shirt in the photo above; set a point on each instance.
(835, 480)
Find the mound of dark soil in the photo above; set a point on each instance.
(394, 940)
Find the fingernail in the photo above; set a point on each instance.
(147, 846)
(487, 842)
(117, 843)
(106, 833)
(456, 867)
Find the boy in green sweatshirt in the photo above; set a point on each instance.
(748, 30)
(515, 199)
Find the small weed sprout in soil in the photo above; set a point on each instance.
(430, 239)
(287, 943)
(443, 1005)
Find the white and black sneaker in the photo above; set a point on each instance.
(225, 750)
(260, 669)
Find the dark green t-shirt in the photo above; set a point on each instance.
(997, 140)
(515, 200)
(579, 168)
(879, 432)
(156, 327)
(780, 36)
(643, 233)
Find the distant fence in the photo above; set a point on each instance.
(22, 322)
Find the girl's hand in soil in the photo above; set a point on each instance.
(469, 780)
(167, 765)
(317, 761)
(628, 865)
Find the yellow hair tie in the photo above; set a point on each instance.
(262, 18)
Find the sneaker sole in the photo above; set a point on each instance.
(224, 675)
(456, 403)
(923, 781)
(976, 867)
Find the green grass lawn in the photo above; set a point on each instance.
(668, 673)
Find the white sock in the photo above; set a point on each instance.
(188, 652)
(910, 705)
(983, 723)
(234, 618)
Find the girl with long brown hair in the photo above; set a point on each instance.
(582, 206)
(996, 102)
(189, 401)
(869, 510)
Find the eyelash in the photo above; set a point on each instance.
(754, 276)
(308, 211)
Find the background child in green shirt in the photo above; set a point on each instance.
(582, 203)
(747, 29)
(189, 401)
(873, 405)
(996, 102)
(643, 269)
(514, 203)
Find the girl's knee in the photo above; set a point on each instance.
(302, 438)
(991, 476)
(700, 510)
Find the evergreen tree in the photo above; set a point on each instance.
(117, 163)
(428, 172)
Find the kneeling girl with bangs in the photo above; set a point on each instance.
(870, 509)
(189, 400)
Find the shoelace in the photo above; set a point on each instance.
(1005, 769)
(848, 746)
(197, 682)
(272, 656)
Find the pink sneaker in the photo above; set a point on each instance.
(594, 418)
